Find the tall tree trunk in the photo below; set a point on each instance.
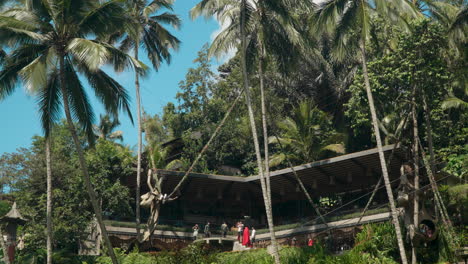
(138, 179)
(383, 164)
(427, 114)
(49, 201)
(416, 175)
(430, 144)
(397, 136)
(264, 124)
(255, 137)
(83, 167)
(438, 201)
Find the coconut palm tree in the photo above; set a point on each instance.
(49, 232)
(148, 30)
(105, 128)
(263, 28)
(306, 136)
(51, 46)
(350, 23)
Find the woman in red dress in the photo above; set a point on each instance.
(246, 238)
(310, 242)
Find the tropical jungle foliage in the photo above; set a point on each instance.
(306, 69)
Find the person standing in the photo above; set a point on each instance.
(246, 237)
(294, 242)
(240, 226)
(207, 229)
(310, 243)
(195, 229)
(252, 235)
(224, 229)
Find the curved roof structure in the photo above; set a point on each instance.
(346, 173)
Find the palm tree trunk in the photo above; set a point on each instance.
(49, 202)
(264, 124)
(301, 184)
(138, 179)
(416, 175)
(427, 115)
(383, 164)
(255, 137)
(84, 168)
(438, 200)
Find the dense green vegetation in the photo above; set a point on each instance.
(308, 72)
(375, 244)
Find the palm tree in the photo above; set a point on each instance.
(263, 28)
(105, 128)
(350, 20)
(49, 203)
(148, 30)
(306, 136)
(50, 48)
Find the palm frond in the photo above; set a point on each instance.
(169, 19)
(158, 42)
(453, 103)
(13, 64)
(156, 5)
(461, 20)
(15, 32)
(89, 52)
(327, 15)
(113, 96)
(35, 74)
(210, 8)
(336, 148)
(175, 164)
(127, 44)
(277, 159)
(80, 106)
(121, 60)
(116, 135)
(104, 19)
(225, 41)
(50, 103)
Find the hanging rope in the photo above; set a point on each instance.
(215, 133)
(155, 198)
(437, 195)
(398, 139)
(438, 199)
(301, 184)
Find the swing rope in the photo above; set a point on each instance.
(205, 148)
(377, 186)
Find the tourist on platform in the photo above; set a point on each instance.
(207, 229)
(246, 238)
(224, 229)
(253, 233)
(195, 229)
(240, 226)
(310, 243)
(294, 242)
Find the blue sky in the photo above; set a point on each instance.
(18, 113)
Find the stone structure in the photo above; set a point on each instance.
(9, 225)
(90, 245)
